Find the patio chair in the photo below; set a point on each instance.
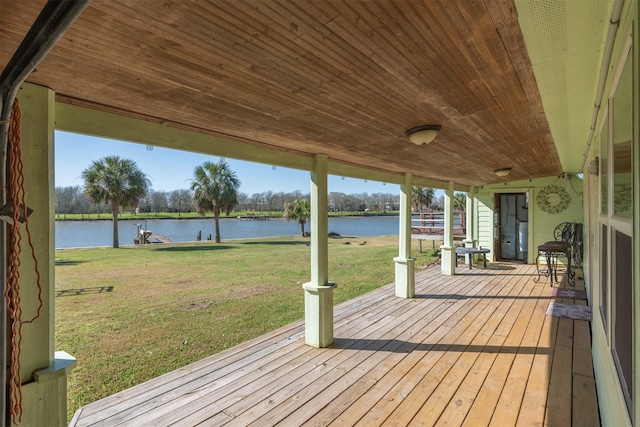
(560, 247)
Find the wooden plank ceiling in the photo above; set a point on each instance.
(343, 78)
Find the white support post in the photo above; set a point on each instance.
(405, 265)
(447, 250)
(469, 242)
(318, 293)
(44, 381)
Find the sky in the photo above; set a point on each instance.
(173, 170)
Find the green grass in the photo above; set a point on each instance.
(173, 304)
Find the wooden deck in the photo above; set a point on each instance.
(473, 349)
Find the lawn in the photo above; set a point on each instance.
(167, 305)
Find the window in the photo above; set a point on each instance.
(604, 277)
(619, 231)
(623, 315)
(604, 166)
(622, 129)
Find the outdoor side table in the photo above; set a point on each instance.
(472, 251)
(551, 251)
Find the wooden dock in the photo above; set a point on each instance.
(158, 238)
(473, 349)
(253, 217)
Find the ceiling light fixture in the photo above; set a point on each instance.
(502, 172)
(421, 135)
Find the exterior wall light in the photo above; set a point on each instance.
(421, 135)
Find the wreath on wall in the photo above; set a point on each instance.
(553, 199)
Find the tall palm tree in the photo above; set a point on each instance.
(215, 189)
(299, 210)
(116, 182)
(459, 201)
(422, 198)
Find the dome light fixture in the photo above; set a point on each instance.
(424, 134)
(502, 172)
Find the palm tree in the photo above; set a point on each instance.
(422, 198)
(116, 182)
(459, 201)
(215, 189)
(299, 210)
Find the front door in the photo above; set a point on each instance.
(512, 227)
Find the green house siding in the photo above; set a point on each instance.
(541, 223)
(484, 226)
(613, 408)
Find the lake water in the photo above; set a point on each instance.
(74, 234)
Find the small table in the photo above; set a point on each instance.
(472, 251)
(551, 251)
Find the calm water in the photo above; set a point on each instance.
(74, 234)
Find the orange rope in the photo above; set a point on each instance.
(16, 198)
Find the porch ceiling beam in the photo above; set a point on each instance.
(443, 185)
(341, 169)
(77, 119)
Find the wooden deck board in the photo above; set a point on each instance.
(532, 410)
(508, 407)
(460, 402)
(379, 412)
(383, 346)
(368, 399)
(462, 331)
(370, 376)
(512, 330)
(585, 408)
(255, 397)
(437, 389)
(240, 379)
(471, 349)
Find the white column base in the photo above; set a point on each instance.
(405, 277)
(45, 399)
(318, 314)
(469, 244)
(448, 260)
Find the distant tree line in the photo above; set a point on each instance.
(72, 200)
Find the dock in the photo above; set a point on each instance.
(253, 217)
(158, 238)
